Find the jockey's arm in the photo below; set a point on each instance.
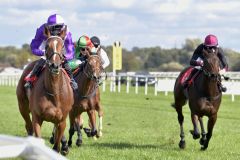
(69, 47)
(104, 58)
(222, 59)
(37, 45)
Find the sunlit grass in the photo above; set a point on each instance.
(139, 127)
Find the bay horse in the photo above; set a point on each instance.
(51, 98)
(87, 98)
(204, 99)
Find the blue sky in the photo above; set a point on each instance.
(145, 23)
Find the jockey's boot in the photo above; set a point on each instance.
(73, 83)
(34, 73)
(222, 87)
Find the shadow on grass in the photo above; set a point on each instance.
(123, 145)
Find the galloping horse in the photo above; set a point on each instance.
(51, 98)
(87, 98)
(204, 98)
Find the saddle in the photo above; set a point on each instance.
(189, 76)
(33, 79)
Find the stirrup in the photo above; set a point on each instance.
(28, 84)
(74, 84)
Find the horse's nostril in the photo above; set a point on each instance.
(55, 66)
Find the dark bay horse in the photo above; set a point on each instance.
(87, 98)
(51, 98)
(204, 98)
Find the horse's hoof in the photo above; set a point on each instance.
(182, 144)
(195, 135)
(202, 141)
(87, 131)
(79, 142)
(203, 148)
(64, 150)
(69, 143)
(51, 140)
(93, 133)
(99, 134)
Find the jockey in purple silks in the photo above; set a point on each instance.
(55, 24)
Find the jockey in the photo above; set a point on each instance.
(210, 45)
(104, 58)
(85, 44)
(55, 24)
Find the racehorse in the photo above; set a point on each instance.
(87, 98)
(204, 98)
(51, 98)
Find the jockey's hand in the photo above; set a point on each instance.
(199, 63)
(222, 71)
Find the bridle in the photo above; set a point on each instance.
(54, 67)
(214, 76)
(91, 74)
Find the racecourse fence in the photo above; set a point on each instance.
(160, 81)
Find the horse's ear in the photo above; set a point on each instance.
(63, 32)
(46, 31)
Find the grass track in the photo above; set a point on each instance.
(139, 127)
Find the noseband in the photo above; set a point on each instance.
(54, 67)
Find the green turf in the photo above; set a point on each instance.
(139, 127)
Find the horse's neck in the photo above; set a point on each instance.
(54, 83)
(207, 86)
(85, 84)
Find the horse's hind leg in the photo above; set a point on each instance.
(25, 112)
(71, 129)
(182, 143)
(211, 123)
(195, 132)
(203, 132)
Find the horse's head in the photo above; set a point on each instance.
(93, 68)
(54, 50)
(211, 64)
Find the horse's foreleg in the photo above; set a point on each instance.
(100, 126)
(182, 143)
(36, 123)
(58, 136)
(100, 123)
(64, 149)
(51, 140)
(195, 132)
(211, 123)
(92, 117)
(203, 139)
(79, 134)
